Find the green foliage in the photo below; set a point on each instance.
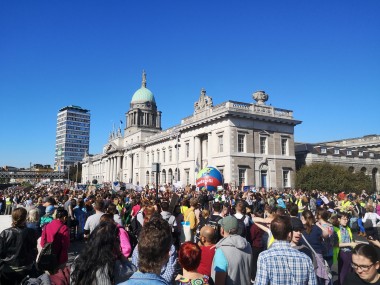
(332, 178)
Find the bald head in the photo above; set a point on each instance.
(208, 233)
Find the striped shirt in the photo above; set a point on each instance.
(283, 265)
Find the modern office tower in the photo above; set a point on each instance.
(72, 137)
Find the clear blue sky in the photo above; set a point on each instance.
(320, 59)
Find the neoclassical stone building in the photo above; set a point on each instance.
(357, 154)
(250, 143)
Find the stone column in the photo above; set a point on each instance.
(114, 169)
(130, 167)
(198, 154)
(118, 170)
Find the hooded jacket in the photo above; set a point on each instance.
(238, 252)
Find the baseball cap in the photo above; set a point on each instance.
(296, 224)
(50, 209)
(228, 223)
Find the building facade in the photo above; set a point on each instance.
(72, 137)
(250, 143)
(359, 154)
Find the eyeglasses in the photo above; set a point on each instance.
(361, 267)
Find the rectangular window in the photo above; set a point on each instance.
(371, 155)
(263, 145)
(158, 156)
(336, 151)
(187, 149)
(147, 160)
(187, 173)
(284, 146)
(285, 178)
(220, 143)
(241, 139)
(360, 153)
(170, 155)
(349, 152)
(163, 156)
(153, 157)
(242, 176)
(323, 150)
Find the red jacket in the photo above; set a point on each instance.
(61, 239)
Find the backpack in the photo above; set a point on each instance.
(134, 230)
(48, 259)
(213, 222)
(242, 229)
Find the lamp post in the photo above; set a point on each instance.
(76, 176)
(68, 174)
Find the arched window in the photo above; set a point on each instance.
(170, 176)
(163, 176)
(177, 175)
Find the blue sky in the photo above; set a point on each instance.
(320, 59)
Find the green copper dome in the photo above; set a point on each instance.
(143, 94)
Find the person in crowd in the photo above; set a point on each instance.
(366, 264)
(18, 250)
(168, 270)
(33, 221)
(206, 243)
(125, 245)
(329, 240)
(59, 234)
(295, 243)
(372, 217)
(189, 216)
(80, 215)
(343, 252)
(48, 217)
(256, 236)
(232, 259)
(93, 220)
(167, 216)
(100, 262)
(189, 257)
(281, 264)
(112, 209)
(312, 236)
(154, 247)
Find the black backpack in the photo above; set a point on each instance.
(48, 259)
(242, 229)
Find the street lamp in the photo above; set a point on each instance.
(76, 176)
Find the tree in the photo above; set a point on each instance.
(332, 178)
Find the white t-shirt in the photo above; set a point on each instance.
(92, 221)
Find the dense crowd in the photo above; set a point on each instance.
(188, 236)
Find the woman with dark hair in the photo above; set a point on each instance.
(125, 244)
(99, 262)
(18, 250)
(312, 237)
(189, 257)
(366, 264)
(327, 241)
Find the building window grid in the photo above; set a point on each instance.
(285, 178)
(187, 148)
(263, 145)
(242, 172)
(220, 143)
(284, 146)
(241, 142)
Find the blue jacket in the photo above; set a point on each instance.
(139, 278)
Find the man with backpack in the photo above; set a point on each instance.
(243, 220)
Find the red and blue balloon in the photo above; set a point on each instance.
(209, 178)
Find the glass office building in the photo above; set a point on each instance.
(72, 136)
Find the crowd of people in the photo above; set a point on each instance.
(189, 236)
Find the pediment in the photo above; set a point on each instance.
(111, 147)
